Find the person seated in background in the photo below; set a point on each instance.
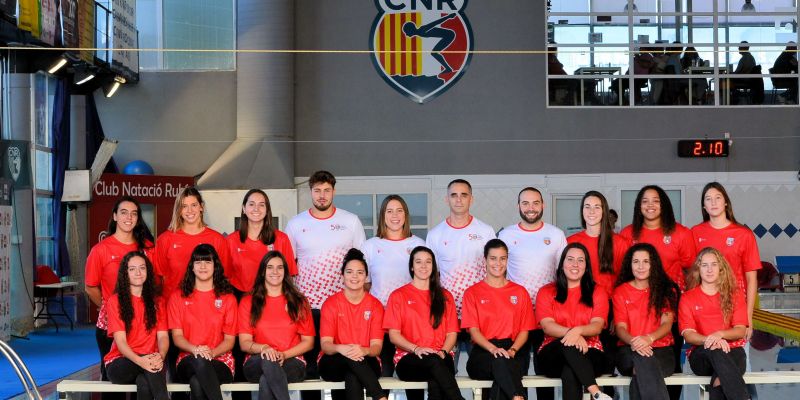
(746, 65)
(699, 86)
(643, 64)
(673, 88)
(660, 58)
(786, 63)
(560, 89)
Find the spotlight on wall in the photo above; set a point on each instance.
(112, 87)
(83, 75)
(60, 63)
(748, 6)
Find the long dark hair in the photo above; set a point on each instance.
(205, 252)
(295, 301)
(663, 292)
(434, 286)
(267, 234)
(149, 293)
(587, 282)
(141, 233)
(728, 205)
(667, 214)
(605, 242)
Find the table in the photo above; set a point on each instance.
(44, 313)
(703, 70)
(599, 71)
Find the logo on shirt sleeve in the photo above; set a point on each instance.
(367, 314)
(513, 299)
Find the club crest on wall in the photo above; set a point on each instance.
(421, 48)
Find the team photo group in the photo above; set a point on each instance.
(319, 300)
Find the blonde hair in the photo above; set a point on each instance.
(177, 221)
(726, 283)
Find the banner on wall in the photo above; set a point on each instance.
(86, 29)
(29, 18)
(16, 163)
(67, 32)
(421, 49)
(48, 16)
(5, 258)
(8, 7)
(124, 37)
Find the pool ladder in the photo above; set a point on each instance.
(22, 371)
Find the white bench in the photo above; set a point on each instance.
(66, 388)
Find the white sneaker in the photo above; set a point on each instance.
(601, 396)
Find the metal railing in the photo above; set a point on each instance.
(22, 372)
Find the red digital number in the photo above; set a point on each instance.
(718, 148)
(698, 148)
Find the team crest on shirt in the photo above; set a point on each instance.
(367, 315)
(547, 241)
(218, 303)
(667, 239)
(421, 48)
(513, 299)
(729, 242)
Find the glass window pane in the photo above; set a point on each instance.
(40, 110)
(569, 6)
(421, 233)
(146, 23)
(568, 214)
(417, 207)
(205, 25)
(45, 252)
(44, 216)
(44, 179)
(358, 204)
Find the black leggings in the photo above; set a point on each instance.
(149, 385)
(387, 356)
(273, 379)
(505, 372)
(576, 370)
(647, 373)
(312, 371)
(203, 377)
(357, 376)
(438, 372)
(728, 367)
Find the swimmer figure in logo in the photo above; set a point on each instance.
(433, 30)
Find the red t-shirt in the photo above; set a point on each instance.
(703, 313)
(603, 280)
(102, 265)
(675, 250)
(139, 339)
(349, 323)
(408, 310)
(204, 318)
(631, 307)
(174, 249)
(275, 328)
(572, 313)
(736, 243)
(499, 313)
(246, 257)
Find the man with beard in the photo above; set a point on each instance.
(320, 238)
(534, 250)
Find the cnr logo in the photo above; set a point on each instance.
(428, 5)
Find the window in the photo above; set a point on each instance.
(43, 95)
(366, 206)
(599, 49)
(186, 24)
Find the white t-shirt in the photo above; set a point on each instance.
(459, 255)
(388, 264)
(533, 256)
(320, 246)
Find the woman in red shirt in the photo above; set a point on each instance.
(137, 321)
(127, 232)
(422, 323)
(351, 334)
(275, 329)
(713, 318)
(736, 243)
(572, 311)
(202, 319)
(256, 236)
(645, 301)
(186, 230)
(498, 314)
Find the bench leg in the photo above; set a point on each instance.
(476, 393)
